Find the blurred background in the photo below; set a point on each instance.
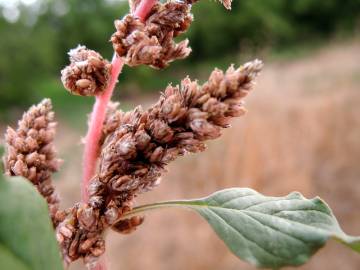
(302, 131)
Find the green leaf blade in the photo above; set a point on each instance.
(9, 261)
(26, 235)
(262, 240)
(268, 232)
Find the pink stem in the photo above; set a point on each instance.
(93, 136)
(144, 8)
(101, 264)
(92, 141)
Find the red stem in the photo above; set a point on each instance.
(93, 136)
(92, 145)
(144, 8)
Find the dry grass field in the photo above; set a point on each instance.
(302, 133)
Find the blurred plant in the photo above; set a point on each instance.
(127, 152)
(2, 151)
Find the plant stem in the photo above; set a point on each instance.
(187, 204)
(92, 145)
(153, 206)
(144, 8)
(101, 264)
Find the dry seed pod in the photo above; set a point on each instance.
(88, 73)
(129, 225)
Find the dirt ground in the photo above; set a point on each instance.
(302, 133)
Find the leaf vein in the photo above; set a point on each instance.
(275, 229)
(237, 198)
(305, 210)
(248, 239)
(293, 221)
(268, 201)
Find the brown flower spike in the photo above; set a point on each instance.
(138, 146)
(151, 42)
(31, 154)
(135, 154)
(88, 73)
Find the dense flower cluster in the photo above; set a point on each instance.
(31, 154)
(138, 146)
(88, 74)
(152, 42)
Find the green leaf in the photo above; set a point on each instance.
(269, 232)
(9, 261)
(27, 239)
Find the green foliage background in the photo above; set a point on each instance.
(33, 50)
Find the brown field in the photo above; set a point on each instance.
(302, 133)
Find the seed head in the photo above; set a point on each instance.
(135, 154)
(88, 73)
(151, 42)
(31, 154)
(138, 145)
